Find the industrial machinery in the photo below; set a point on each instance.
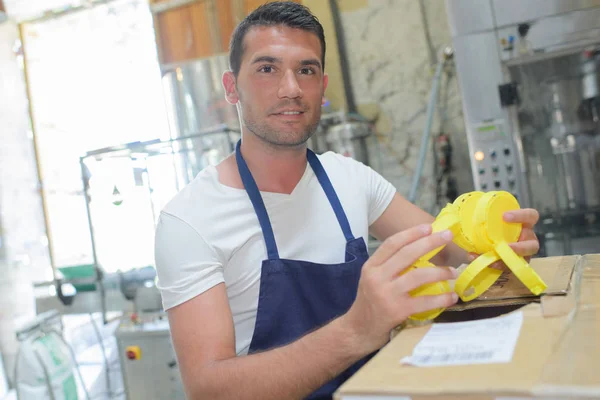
(127, 186)
(148, 361)
(342, 133)
(195, 97)
(529, 74)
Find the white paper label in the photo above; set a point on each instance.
(485, 341)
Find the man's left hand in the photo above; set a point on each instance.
(528, 244)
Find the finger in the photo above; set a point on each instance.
(425, 303)
(410, 253)
(526, 248)
(422, 276)
(527, 234)
(499, 265)
(396, 242)
(526, 216)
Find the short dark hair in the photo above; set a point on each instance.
(286, 13)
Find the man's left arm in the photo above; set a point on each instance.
(402, 214)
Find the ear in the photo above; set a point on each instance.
(231, 93)
(325, 83)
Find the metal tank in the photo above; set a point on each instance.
(196, 103)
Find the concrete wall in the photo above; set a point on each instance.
(391, 70)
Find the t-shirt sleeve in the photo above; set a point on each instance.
(186, 265)
(380, 193)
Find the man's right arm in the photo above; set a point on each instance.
(203, 336)
(204, 339)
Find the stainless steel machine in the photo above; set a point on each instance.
(529, 74)
(148, 361)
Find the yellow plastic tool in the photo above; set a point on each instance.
(447, 219)
(429, 289)
(476, 220)
(490, 234)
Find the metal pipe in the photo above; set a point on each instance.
(341, 41)
(36, 153)
(428, 122)
(427, 32)
(86, 187)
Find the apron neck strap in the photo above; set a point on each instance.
(317, 167)
(257, 203)
(261, 210)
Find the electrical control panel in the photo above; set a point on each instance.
(494, 158)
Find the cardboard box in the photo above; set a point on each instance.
(556, 356)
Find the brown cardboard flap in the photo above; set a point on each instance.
(509, 290)
(574, 366)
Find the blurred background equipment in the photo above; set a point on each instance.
(46, 367)
(445, 55)
(344, 133)
(146, 350)
(529, 74)
(3, 16)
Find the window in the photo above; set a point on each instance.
(95, 82)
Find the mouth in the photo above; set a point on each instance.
(289, 114)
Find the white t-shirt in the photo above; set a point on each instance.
(209, 233)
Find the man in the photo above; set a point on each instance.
(262, 261)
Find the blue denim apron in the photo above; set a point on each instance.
(296, 297)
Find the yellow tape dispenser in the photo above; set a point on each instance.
(476, 220)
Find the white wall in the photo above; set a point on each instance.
(23, 254)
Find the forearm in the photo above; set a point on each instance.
(291, 371)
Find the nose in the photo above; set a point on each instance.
(288, 86)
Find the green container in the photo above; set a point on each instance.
(80, 276)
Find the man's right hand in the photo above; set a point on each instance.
(383, 300)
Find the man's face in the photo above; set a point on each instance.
(280, 85)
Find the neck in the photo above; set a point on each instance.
(275, 169)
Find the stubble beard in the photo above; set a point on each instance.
(275, 137)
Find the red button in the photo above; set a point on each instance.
(133, 352)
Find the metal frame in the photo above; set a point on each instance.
(124, 151)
